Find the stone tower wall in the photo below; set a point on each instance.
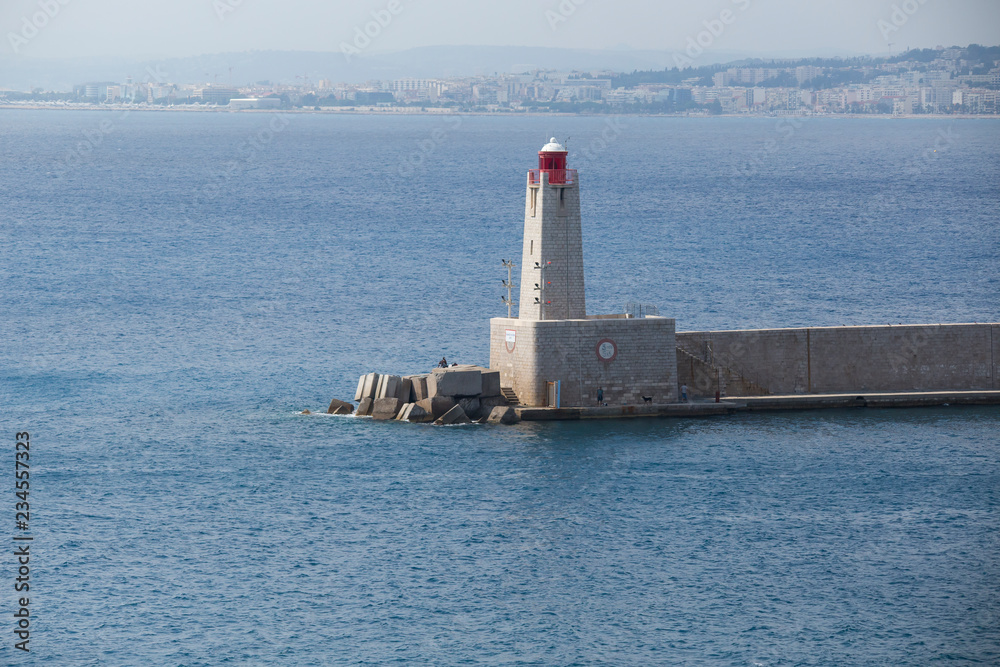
(553, 238)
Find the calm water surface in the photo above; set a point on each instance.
(176, 293)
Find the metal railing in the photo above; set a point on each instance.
(556, 176)
(640, 310)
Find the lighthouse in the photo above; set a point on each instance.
(554, 354)
(552, 257)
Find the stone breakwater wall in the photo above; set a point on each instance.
(626, 358)
(445, 396)
(833, 360)
(642, 362)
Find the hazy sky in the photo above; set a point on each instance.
(166, 28)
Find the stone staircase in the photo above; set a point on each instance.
(704, 378)
(511, 397)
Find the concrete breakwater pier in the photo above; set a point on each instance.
(448, 410)
(445, 396)
(554, 361)
(736, 405)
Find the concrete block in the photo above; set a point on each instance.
(340, 408)
(405, 390)
(470, 406)
(414, 382)
(454, 416)
(418, 415)
(503, 415)
(487, 403)
(360, 393)
(404, 412)
(491, 383)
(437, 406)
(386, 409)
(388, 386)
(419, 388)
(457, 382)
(365, 407)
(371, 385)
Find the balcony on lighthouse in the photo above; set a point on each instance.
(552, 161)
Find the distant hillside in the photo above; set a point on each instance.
(293, 66)
(981, 57)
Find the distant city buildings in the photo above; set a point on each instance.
(216, 95)
(930, 81)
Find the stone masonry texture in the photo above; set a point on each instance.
(995, 335)
(824, 360)
(552, 238)
(567, 351)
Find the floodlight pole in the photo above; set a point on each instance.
(509, 283)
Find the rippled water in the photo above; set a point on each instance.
(177, 295)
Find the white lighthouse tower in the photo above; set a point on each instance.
(553, 354)
(552, 259)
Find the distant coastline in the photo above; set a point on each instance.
(442, 111)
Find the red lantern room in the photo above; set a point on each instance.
(552, 161)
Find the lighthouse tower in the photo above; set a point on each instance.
(554, 354)
(552, 258)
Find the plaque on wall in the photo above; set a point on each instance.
(607, 350)
(511, 339)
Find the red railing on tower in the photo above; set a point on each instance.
(556, 176)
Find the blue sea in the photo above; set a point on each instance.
(177, 287)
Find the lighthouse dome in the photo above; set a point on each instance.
(553, 147)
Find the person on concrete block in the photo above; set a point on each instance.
(443, 363)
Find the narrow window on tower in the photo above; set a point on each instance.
(531, 251)
(534, 201)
